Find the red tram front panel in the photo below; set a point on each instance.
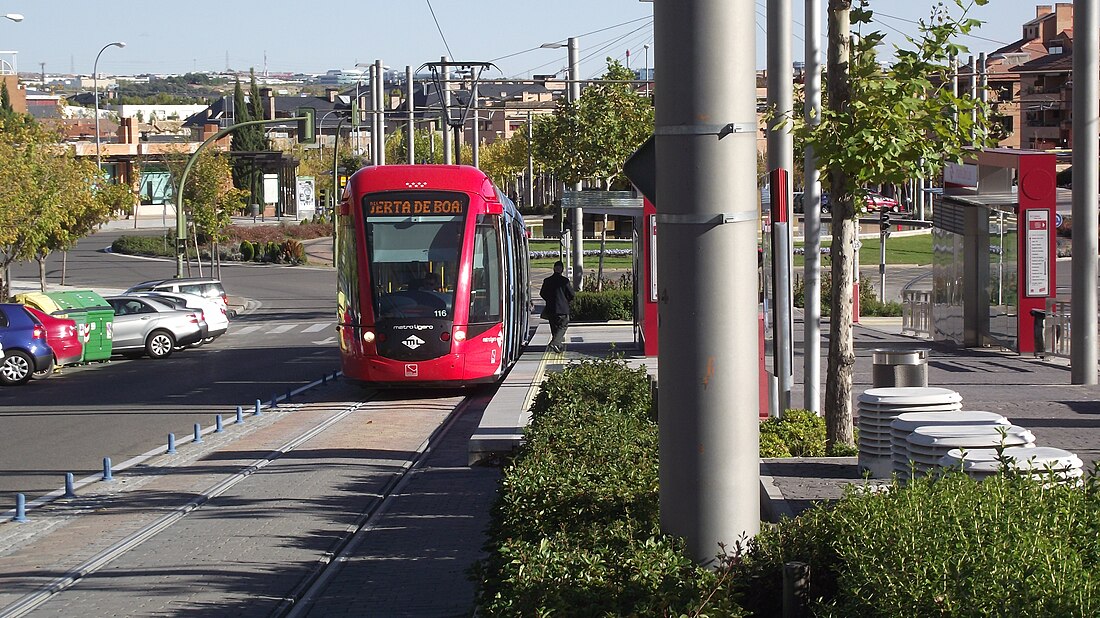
(421, 292)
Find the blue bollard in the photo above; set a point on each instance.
(258, 408)
(171, 444)
(198, 434)
(274, 400)
(240, 415)
(107, 469)
(20, 508)
(218, 424)
(324, 379)
(69, 491)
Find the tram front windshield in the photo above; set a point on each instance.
(414, 265)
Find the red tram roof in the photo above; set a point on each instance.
(428, 176)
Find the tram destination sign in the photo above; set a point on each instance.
(399, 203)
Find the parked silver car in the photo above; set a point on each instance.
(148, 326)
(213, 311)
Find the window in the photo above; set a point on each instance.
(485, 284)
(414, 265)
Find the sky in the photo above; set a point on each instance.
(200, 35)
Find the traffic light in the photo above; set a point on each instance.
(355, 112)
(307, 125)
(884, 220)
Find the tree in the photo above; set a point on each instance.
(5, 100)
(209, 199)
(593, 137)
(505, 160)
(48, 195)
(881, 126)
(397, 149)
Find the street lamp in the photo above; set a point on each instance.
(646, 48)
(95, 93)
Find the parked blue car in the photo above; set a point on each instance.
(23, 346)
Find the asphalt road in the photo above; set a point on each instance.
(124, 408)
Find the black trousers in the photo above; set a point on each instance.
(558, 323)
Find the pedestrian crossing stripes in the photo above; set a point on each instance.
(282, 328)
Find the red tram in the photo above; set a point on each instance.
(433, 277)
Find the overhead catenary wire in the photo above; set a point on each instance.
(439, 28)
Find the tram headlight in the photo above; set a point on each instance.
(460, 335)
(368, 336)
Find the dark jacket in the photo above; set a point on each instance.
(557, 292)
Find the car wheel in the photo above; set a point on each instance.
(15, 368)
(160, 344)
(42, 374)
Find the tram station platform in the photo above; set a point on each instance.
(1031, 392)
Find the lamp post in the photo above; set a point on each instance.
(646, 48)
(95, 93)
(578, 214)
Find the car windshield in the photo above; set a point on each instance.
(414, 265)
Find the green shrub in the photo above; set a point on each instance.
(575, 530)
(247, 251)
(947, 546)
(800, 432)
(272, 251)
(144, 245)
(602, 306)
(869, 304)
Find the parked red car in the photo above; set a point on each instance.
(63, 337)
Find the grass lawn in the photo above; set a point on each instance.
(591, 262)
(899, 250)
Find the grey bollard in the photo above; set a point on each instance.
(258, 411)
(107, 469)
(171, 444)
(198, 434)
(899, 368)
(20, 508)
(240, 414)
(70, 491)
(218, 428)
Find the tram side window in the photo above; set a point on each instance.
(485, 286)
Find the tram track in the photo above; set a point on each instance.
(295, 600)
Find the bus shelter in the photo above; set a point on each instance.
(994, 249)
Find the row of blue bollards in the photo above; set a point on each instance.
(70, 491)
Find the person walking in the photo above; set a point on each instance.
(557, 292)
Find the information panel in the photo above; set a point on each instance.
(415, 203)
(1037, 248)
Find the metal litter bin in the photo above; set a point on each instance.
(899, 368)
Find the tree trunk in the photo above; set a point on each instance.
(41, 259)
(5, 282)
(838, 382)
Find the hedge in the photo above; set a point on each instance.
(575, 530)
(602, 306)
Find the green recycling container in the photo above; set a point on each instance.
(94, 317)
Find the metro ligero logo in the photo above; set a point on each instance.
(413, 342)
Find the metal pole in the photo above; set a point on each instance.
(972, 80)
(530, 163)
(811, 228)
(445, 97)
(780, 83)
(380, 97)
(476, 132)
(578, 214)
(410, 91)
(707, 272)
(1086, 110)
